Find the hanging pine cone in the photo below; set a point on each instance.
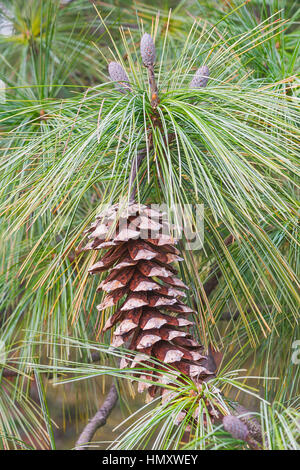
(151, 316)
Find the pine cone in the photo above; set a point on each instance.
(148, 51)
(118, 74)
(151, 316)
(235, 427)
(200, 78)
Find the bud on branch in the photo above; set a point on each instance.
(148, 51)
(235, 427)
(118, 74)
(148, 54)
(200, 78)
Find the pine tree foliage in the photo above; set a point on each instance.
(224, 134)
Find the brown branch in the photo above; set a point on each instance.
(153, 87)
(136, 165)
(134, 170)
(98, 420)
(7, 373)
(142, 153)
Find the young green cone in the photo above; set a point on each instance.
(200, 78)
(235, 427)
(148, 51)
(118, 74)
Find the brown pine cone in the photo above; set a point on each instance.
(151, 317)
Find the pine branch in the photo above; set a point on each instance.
(98, 420)
(148, 54)
(134, 171)
(8, 373)
(153, 87)
(252, 428)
